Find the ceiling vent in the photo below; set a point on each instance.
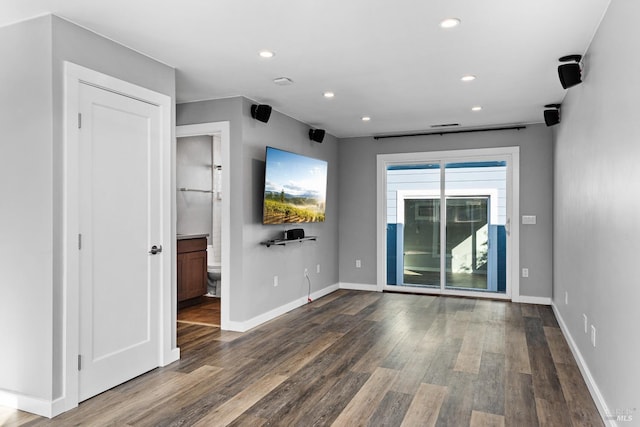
(446, 125)
(283, 81)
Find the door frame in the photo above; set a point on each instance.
(74, 76)
(223, 129)
(512, 154)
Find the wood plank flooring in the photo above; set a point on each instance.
(206, 312)
(359, 359)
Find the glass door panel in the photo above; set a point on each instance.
(413, 225)
(476, 212)
(467, 242)
(422, 242)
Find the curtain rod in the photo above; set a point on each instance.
(404, 135)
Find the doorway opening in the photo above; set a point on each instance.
(198, 226)
(203, 221)
(444, 222)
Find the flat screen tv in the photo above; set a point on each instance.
(295, 188)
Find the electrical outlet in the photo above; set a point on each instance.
(586, 323)
(275, 281)
(318, 268)
(306, 272)
(566, 298)
(593, 335)
(358, 263)
(525, 272)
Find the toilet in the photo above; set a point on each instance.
(213, 274)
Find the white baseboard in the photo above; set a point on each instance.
(171, 356)
(532, 300)
(265, 317)
(59, 406)
(358, 287)
(34, 405)
(597, 396)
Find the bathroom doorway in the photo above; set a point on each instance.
(202, 224)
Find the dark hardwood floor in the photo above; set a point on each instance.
(355, 359)
(205, 312)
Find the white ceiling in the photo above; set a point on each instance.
(386, 59)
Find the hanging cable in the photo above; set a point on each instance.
(309, 291)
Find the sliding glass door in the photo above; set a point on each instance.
(446, 223)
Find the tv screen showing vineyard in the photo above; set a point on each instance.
(295, 188)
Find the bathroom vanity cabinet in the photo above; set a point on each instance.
(192, 267)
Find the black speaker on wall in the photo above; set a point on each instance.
(316, 135)
(552, 117)
(261, 112)
(570, 74)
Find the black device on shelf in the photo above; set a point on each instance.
(295, 234)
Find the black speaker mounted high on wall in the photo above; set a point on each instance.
(316, 135)
(552, 117)
(261, 112)
(570, 74)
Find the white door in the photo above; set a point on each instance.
(120, 197)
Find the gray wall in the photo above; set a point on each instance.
(597, 232)
(31, 171)
(194, 170)
(253, 265)
(357, 202)
(26, 230)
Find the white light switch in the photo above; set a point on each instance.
(528, 219)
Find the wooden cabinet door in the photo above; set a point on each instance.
(192, 275)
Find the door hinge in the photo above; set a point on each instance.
(79, 241)
(79, 363)
(79, 120)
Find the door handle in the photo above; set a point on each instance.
(507, 226)
(155, 249)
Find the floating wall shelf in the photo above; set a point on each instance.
(283, 242)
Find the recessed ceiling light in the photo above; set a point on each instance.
(476, 108)
(267, 54)
(328, 94)
(366, 118)
(450, 23)
(468, 78)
